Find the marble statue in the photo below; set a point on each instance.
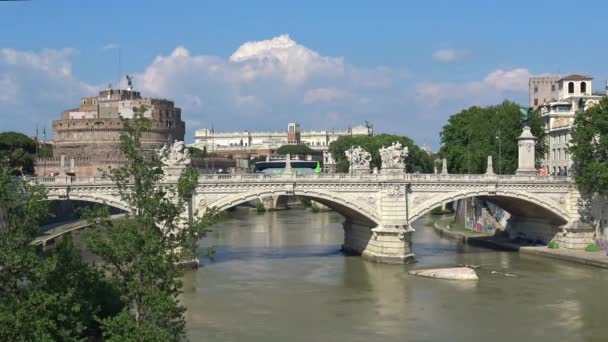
(393, 157)
(358, 158)
(175, 155)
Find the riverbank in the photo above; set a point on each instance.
(596, 259)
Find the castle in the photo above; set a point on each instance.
(87, 138)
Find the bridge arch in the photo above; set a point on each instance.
(112, 201)
(345, 205)
(520, 204)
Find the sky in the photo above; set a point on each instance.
(404, 66)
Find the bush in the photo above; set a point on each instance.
(553, 245)
(315, 208)
(259, 207)
(592, 248)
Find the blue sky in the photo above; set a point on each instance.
(405, 66)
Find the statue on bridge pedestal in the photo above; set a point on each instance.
(175, 155)
(175, 158)
(393, 157)
(359, 159)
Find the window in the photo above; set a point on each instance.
(536, 102)
(571, 88)
(553, 87)
(535, 89)
(553, 154)
(583, 87)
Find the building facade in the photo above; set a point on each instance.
(87, 138)
(263, 143)
(543, 90)
(574, 96)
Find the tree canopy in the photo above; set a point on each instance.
(142, 254)
(296, 150)
(55, 298)
(417, 160)
(20, 151)
(473, 134)
(589, 148)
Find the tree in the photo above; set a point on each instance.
(473, 134)
(417, 160)
(589, 148)
(142, 253)
(299, 150)
(43, 299)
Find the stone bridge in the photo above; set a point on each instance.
(378, 209)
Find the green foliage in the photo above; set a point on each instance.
(589, 148)
(417, 161)
(553, 245)
(296, 150)
(197, 153)
(592, 248)
(20, 151)
(315, 208)
(142, 253)
(44, 299)
(472, 135)
(259, 207)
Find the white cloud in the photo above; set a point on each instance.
(37, 86)
(110, 46)
(320, 95)
(450, 55)
(497, 85)
(284, 58)
(514, 79)
(266, 84)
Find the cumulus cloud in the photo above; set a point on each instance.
(37, 86)
(450, 55)
(282, 57)
(495, 86)
(320, 95)
(265, 83)
(262, 85)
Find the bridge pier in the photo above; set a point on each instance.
(384, 245)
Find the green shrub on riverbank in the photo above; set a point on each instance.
(315, 208)
(260, 208)
(592, 248)
(553, 245)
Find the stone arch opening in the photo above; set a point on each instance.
(518, 205)
(570, 87)
(531, 218)
(583, 87)
(360, 237)
(352, 212)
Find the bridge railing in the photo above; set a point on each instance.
(258, 177)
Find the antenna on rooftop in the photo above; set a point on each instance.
(119, 67)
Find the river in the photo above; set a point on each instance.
(280, 276)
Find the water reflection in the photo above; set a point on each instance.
(280, 276)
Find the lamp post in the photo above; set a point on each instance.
(499, 152)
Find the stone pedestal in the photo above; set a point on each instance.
(392, 171)
(526, 154)
(489, 168)
(444, 166)
(384, 245)
(575, 236)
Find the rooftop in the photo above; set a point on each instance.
(576, 77)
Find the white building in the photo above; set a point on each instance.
(575, 95)
(244, 140)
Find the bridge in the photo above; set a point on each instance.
(379, 209)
